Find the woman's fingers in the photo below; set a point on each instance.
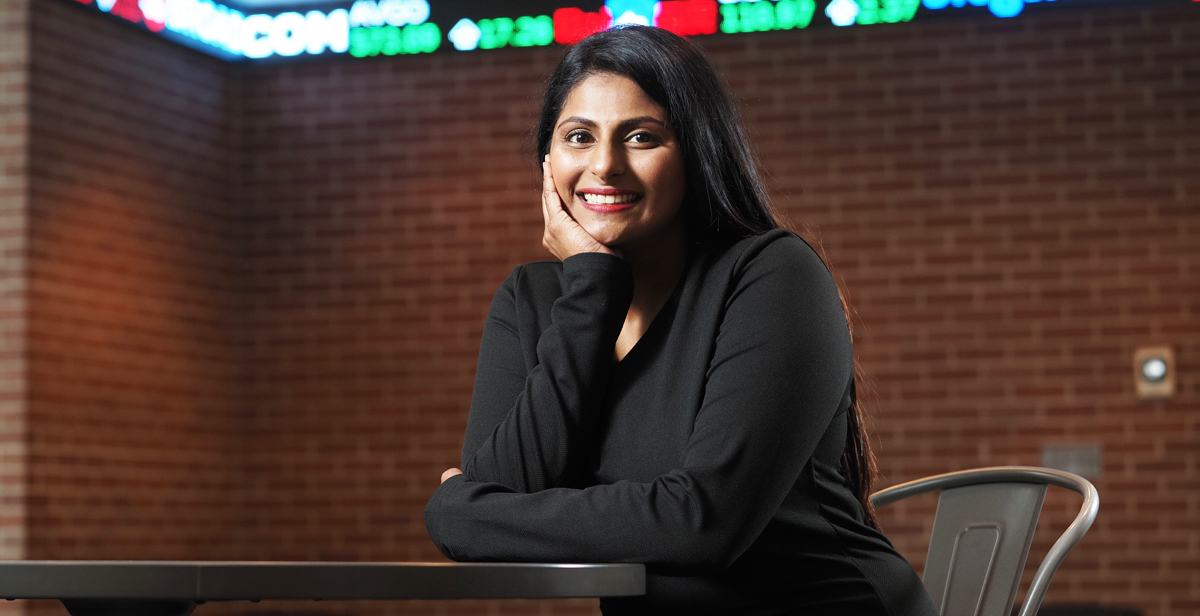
(450, 472)
(549, 191)
(549, 195)
(548, 187)
(563, 236)
(552, 213)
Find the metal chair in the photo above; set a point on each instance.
(982, 533)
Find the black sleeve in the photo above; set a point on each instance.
(782, 362)
(530, 445)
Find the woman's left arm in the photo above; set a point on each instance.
(781, 365)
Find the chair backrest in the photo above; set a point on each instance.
(981, 538)
(982, 532)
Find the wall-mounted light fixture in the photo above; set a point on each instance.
(1154, 372)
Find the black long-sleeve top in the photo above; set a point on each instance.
(711, 452)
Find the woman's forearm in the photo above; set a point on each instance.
(531, 443)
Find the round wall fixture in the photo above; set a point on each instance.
(1154, 372)
(1154, 369)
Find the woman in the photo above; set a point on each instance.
(679, 390)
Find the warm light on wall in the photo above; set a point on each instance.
(1154, 372)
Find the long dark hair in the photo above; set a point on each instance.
(725, 199)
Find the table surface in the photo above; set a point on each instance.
(201, 581)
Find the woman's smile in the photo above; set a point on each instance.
(608, 200)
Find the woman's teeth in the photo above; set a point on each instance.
(608, 199)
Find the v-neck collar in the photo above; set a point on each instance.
(671, 305)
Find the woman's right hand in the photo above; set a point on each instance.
(563, 236)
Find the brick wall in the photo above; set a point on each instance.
(368, 289)
(369, 283)
(14, 197)
(293, 268)
(134, 438)
(1014, 208)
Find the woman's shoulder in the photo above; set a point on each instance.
(779, 252)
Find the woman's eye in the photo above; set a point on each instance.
(643, 137)
(578, 136)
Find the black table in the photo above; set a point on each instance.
(175, 588)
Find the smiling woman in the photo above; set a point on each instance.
(620, 166)
(677, 388)
(618, 162)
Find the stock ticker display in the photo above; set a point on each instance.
(363, 28)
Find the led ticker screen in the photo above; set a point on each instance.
(391, 27)
(362, 28)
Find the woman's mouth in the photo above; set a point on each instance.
(607, 200)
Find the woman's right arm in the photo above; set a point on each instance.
(526, 429)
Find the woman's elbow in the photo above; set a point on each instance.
(699, 554)
(446, 536)
(702, 540)
(702, 537)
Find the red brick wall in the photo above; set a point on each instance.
(1012, 204)
(1009, 203)
(134, 433)
(384, 200)
(14, 201)
(1014, 207)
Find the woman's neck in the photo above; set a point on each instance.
(657, 264)
(657, 267)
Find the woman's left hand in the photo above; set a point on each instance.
(450, 472)
(563, 237)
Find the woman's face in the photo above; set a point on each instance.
(616, 162)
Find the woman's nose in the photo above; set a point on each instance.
(608, 160)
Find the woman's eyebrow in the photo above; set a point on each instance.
(578, 120)
(625, 124)
(640, 120)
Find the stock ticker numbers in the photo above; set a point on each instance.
(391, 27)
(363, 28)
(886, 11)
(765, 15)
(522, 32)
(527, 31)
(392, 40)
